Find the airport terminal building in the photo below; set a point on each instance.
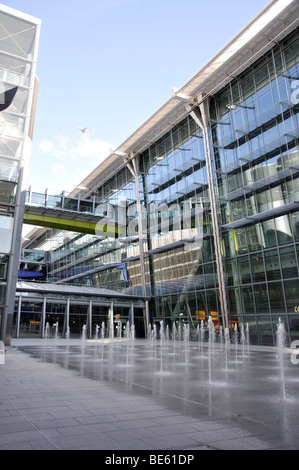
(195, 215)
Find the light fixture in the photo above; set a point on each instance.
(235, 106)
(231, 106)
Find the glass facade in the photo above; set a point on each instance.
(18, 46)
(257, 172)
(253, 142)
(37, 313)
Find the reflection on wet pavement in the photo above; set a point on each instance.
(223, 379)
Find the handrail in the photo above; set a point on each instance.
(63, 201)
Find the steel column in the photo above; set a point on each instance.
(133, 166)
(201, 117)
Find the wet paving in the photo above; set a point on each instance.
(246, 382)
(147, 394)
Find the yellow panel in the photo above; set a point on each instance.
(70, 225)
(214, 314)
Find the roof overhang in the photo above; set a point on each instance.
(61, 289)
(273, 23)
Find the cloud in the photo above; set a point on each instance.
(46, 146)
(59, 169)
(91, 148)
(70, 161)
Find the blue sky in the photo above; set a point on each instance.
(108, 65)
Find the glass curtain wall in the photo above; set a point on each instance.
(180, 266)
(254, 130)
(255, 139)
(180, 250)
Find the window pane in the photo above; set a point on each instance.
(269, 233)
(2, 292)
(261, 298)
(7, 192)
(9, 169)
(265, 330)
(295, 223)
(288, 262)
(284, 232)
(247, 300)
(3, 267)
(244, 267)
(292, 295)
(257, 266)
(6, 229)
(272, 265)
(276, 297)
(254, 237)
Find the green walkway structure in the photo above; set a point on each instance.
(68, 213)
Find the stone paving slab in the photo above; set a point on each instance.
(60, 397)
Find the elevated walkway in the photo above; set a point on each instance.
(63, 212)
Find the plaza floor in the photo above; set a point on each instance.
(59, 394)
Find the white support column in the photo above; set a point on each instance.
(110, 322)
(146, 319)
(43, 322)
(19, 317)
(135, 162)
(67, 315)
(201, 117)
(90, 319)
(132, 314)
